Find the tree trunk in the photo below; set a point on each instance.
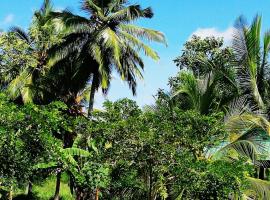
(92, 94)
(57, 187)
(30, 189)
(150, 182)
(10, 194)
(71, 184)
(97, 194)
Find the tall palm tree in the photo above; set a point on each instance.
(41, 36)
(252, 59)
(107, 40)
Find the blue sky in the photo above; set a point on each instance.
(177, 19)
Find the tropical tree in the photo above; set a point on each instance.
(200, 93)
(107, 41)
(205, 94)
(210, 48)
(247, 131)
(41, 36)
(64, 161)
(252, 60)
(206, 81)
(26, 139)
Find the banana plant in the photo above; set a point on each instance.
(65, 162)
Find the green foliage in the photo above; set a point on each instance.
(204, 179)
(197, 49)
(143, 152)
(26, 138)
(15, 57)
(46, 189)
(180, 148)
(209, 83)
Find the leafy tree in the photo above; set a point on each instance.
(25, 60)
(63, 161)
(197, 49)
(27, 137)
(145, 151)
(210, 81)
(107, 41)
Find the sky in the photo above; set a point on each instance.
(177, 19)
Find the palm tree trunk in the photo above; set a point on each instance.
(92, 94)
(57, 186)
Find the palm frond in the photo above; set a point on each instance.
(140, 45)
(144, 33)
(244, 148)
(131, 13)
(246, 46)
(21, 86)
(21, 34)
(242, 123)
(91, 8)
(112, 42)
(189, 86)
(260, 188)
(70, 20)
(46, 165)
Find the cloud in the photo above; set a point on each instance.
(8, 19)
(59, 9)
(227, 34)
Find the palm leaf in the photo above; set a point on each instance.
(21, 86)
(144, 33)
(21, 34)
(260, 188)
(131, 13)
(140, 45)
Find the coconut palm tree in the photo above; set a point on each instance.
(67, 81)
(41, 36)
(252, 59)
(245, 130)
(107, 40)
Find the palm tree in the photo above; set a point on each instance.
(205, 93)
(252, 59)
(245, 129)
(41, 36)
(107, 40)
(67, 81)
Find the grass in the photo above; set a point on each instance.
(46, 189)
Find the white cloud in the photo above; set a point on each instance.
(59, 9)
(227, 34)
(8, 19)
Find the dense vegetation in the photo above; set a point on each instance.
(205, 138)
